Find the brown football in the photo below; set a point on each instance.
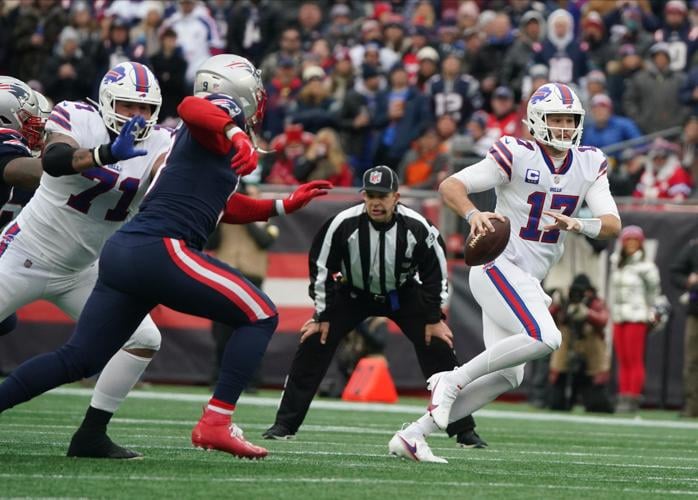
(486, 247)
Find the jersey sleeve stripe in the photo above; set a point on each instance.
(60, 121)
(500, 161)
(62, 111)
(602, 169)
(504, 150)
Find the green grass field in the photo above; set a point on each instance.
(341, 452)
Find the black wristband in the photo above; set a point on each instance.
(57, 159)
(103, 155)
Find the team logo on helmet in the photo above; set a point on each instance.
(115, 74)
(566, 94)
(541, 94)
(16, 90)
(375, 177)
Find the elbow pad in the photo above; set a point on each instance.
(57, 159)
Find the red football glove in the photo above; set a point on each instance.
(305, 192)
(245, 160)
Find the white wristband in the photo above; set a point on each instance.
(279, 205)
(590, 227)
(232, 132)
(470, 214)
(95, 156)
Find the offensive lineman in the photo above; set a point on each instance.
(156, 257)
(540, 186)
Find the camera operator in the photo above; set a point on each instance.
(582, 364)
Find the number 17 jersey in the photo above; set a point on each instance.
(527, 182)
(70, 217)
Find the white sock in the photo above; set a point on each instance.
(116, 380)
(477, 394)
(508, 352)
(424, 426)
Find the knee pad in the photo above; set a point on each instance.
(513, 375)
(146, 336)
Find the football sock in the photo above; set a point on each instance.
(508, 352)
(242, 355)
(220, 407)
(116, 380)
(423, 426)
(96, 420)
(477, 394)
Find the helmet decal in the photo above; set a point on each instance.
(566, 93)
(141, 78)
(541, 94)
(114, 75)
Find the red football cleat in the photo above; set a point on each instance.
(216, 432)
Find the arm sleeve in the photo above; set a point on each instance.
(482, 176)
(206, 122)
(242, 209)
(323, 261)
(433, 273)
(599, 198)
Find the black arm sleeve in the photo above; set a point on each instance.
(58, 159)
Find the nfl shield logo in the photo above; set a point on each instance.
(375, 177)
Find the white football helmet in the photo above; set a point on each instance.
(130, 82)
(237, 77)
(554, 98)
(20, 111)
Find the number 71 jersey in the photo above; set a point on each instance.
(532, 183)
(70, 217)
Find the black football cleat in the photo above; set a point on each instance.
(279, 432)
(470, 439)
(85, 444)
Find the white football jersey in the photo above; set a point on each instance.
(70, 217)
(527, 182)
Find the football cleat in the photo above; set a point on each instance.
(216, 432)
(443, 394)
(413, 448)
(87, 444)
(470, 439)
(279, 432)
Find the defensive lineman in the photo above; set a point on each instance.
(540, 186)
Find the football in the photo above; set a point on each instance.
(486, 247)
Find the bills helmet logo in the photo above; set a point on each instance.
(541, 94)
(115, 74)
(375, 177)
(16, 90)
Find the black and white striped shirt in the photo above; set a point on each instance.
(378, 258)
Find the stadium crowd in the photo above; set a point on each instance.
(425, 87)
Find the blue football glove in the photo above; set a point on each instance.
(123, 146)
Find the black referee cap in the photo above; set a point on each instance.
(381, 179)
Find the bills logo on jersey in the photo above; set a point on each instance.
(541, 94)
(532, 176)
(375, 177)
(114, 75)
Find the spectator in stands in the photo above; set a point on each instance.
(424, 15)
(169, 67)
(479, 140)
(651, 96)
(197, 34)
(593, 40)
(313, 108)
(504, 118)
(446, 127)
(290, 48)
(606, 128)
(67, 74)
(678, 33)
(356, 115)
(619, 73)
(689, 149)
(402, 114)
(449, 39)
(468, 14)
(615, 13)
(635, 285)
(341, 30)
(281, 91)
(518, 58)
(494, 51)
(625, 171)
(342, 74)
(310, 23)
(81, 18)
(419, 38)
(34, 34)
(595, 84)
(428, 60)
(324, 160)
(565, 58)
(684, 275)
(426, 163)
(253, 29)
(372, 39)
(394, 40)
(689, 92)
(289, 147)
(631, 29)
(453, 93)
(663, 176)
(474, 60)
(147, 32)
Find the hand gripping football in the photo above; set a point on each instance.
(486, 247)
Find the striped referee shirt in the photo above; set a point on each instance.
(378, 258)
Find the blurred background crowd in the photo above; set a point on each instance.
(424, 86)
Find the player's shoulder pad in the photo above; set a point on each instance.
(593, 161)
(68, 114)
(507, 149)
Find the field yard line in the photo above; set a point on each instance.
(397, 408)
(336, 480)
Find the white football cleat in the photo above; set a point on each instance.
(413, 448)
(443, 394)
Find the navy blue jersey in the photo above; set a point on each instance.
(190, 191)
(458, 98)
(12, 145)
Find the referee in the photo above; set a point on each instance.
(377, 247)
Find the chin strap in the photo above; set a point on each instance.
(253, 138)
